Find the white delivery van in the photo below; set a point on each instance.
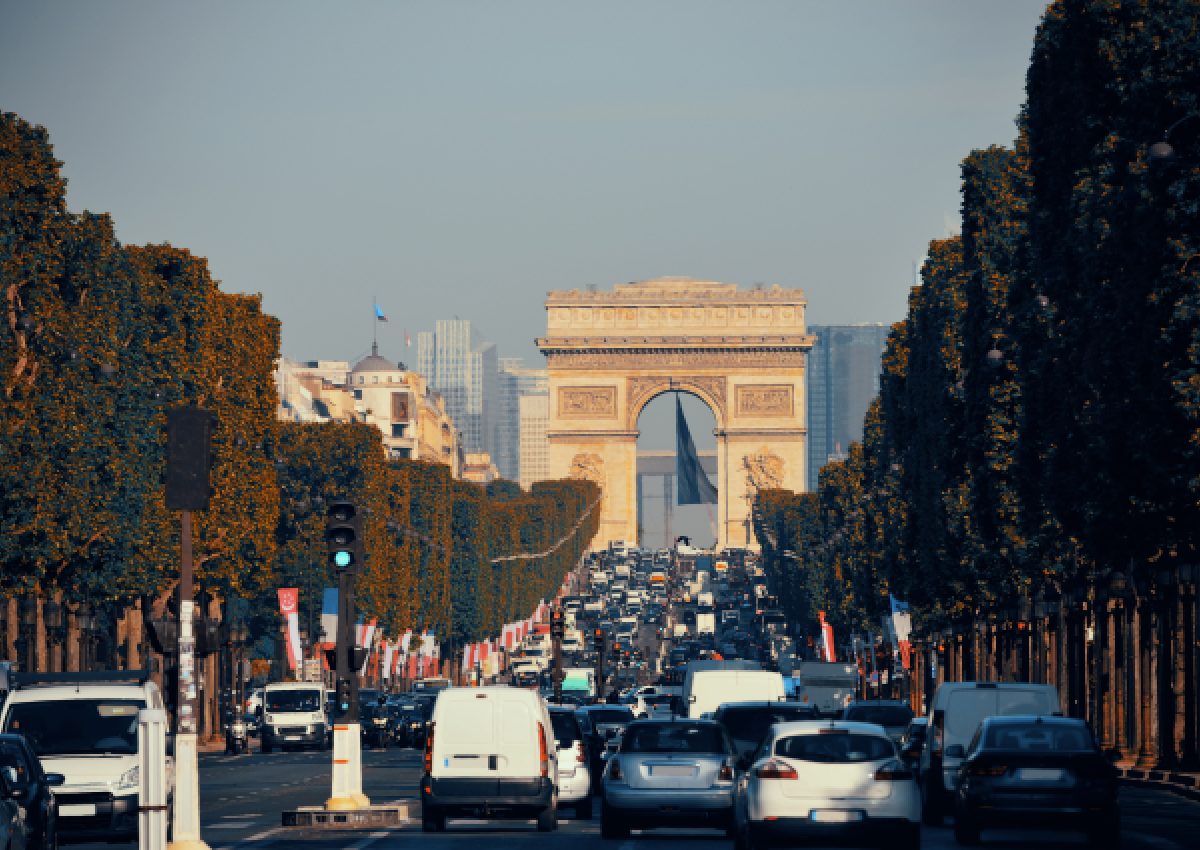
(955, 713)
(490, 753)
(293, 715)
(83, 726)
(707, 684)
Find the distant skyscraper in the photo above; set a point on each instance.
(535, 448)
(463, 368)
(843, 380)
(514, 381)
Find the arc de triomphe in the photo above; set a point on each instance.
(741, 351)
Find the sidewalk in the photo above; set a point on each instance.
(1181, 782)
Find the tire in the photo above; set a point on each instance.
(583, 809)
(547, 819)
(613, 825)
(966, 830)
(931, 808)
(265, 747)
(912, 838)
(432, 820)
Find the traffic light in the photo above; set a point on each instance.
(189, 429)
(598, 640)
(343, 534)
(558, 628)
(344, 695)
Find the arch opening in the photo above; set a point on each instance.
(660, 518)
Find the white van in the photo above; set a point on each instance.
(490, 753)
(955, 713)
(707, 684)
(84, 727)
(293, 715)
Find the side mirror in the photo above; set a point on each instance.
(955, 751)
(55, 779)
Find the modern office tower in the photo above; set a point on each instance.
(534, 446)
(843, 380)
(514, 381)
(463, 367)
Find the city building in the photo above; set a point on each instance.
(464, 369)
(515, 381)
(843, 380)
(534, 418)
(313, 391)
(478, 467)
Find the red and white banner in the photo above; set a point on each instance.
(364, 633)
(289, 607)
(389, 649)
(826, 638)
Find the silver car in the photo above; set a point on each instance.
(669, 773)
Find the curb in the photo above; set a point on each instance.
(1184, 784)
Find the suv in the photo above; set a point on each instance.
(85, 727)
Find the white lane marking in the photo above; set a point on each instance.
(368, 841)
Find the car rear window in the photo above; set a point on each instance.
(672, 738)
(845, 748)
(751, 724)
(566, 727)
(884, 715)
(611, 715)
(1039, 737)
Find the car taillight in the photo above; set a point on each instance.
(543, 756)
(987, 769)
(429, 749)
(725, 774)
(580, 755)
(614, 770)
(893, 770)
(776, 769)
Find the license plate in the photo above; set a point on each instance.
(1040, 774)
(293, 737)
(77, 810)
(835, 816)
(672, 770)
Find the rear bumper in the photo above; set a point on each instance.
(574, 787)
(717, 803)
(517, 798)
(785, 831)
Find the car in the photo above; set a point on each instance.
(747, 723)
(669, 773)
(489, 753)
(574, 776)
(22, 781)
(410, 720)
(894, 715)
(955, 712)
(912, 740)
(1043, 771)
(84, 726)
(823, 781)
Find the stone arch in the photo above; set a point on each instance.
(643, 389)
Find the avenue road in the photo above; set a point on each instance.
(242, 798)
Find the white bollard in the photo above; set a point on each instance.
(347, 769)
(152, 779)
(186, 832)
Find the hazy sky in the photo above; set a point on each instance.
(463, 158)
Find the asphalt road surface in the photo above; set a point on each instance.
(243, 797)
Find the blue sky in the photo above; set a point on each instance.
(464, 158)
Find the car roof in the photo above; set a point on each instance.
(809, 727)
(86, 690)
(897, 703)
(765, 703)
(1026, 719)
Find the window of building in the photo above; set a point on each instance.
(398, 429)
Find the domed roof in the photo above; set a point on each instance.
(374, 363)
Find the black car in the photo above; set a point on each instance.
(1037, 771)
(747, 723)
(23, 781)
(410, 721)
(602, 724)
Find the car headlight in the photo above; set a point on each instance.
(128, 779)
(268, 719)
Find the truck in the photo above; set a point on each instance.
(580, 681)
(828, 685)
(706, 621)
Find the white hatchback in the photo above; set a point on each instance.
(828, 780)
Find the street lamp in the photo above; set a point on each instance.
(1162, 153)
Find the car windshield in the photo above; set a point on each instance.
(611, 715)
(566, 727)
(884, 715)
(290, 700)
(835, 748)
(1039, 737)
(77, 726)
(751, 724)
(672, 738)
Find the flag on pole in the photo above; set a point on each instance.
(379, 314)
(693, 484)
(289, 605)
(407, 339)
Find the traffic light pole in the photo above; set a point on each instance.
(344, 534)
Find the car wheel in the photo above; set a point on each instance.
(432, 820)
(547, 819)
(612, 825)
(966, 830)
(931, 810)
(265, 747)
(583, 809)
(912, 838)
